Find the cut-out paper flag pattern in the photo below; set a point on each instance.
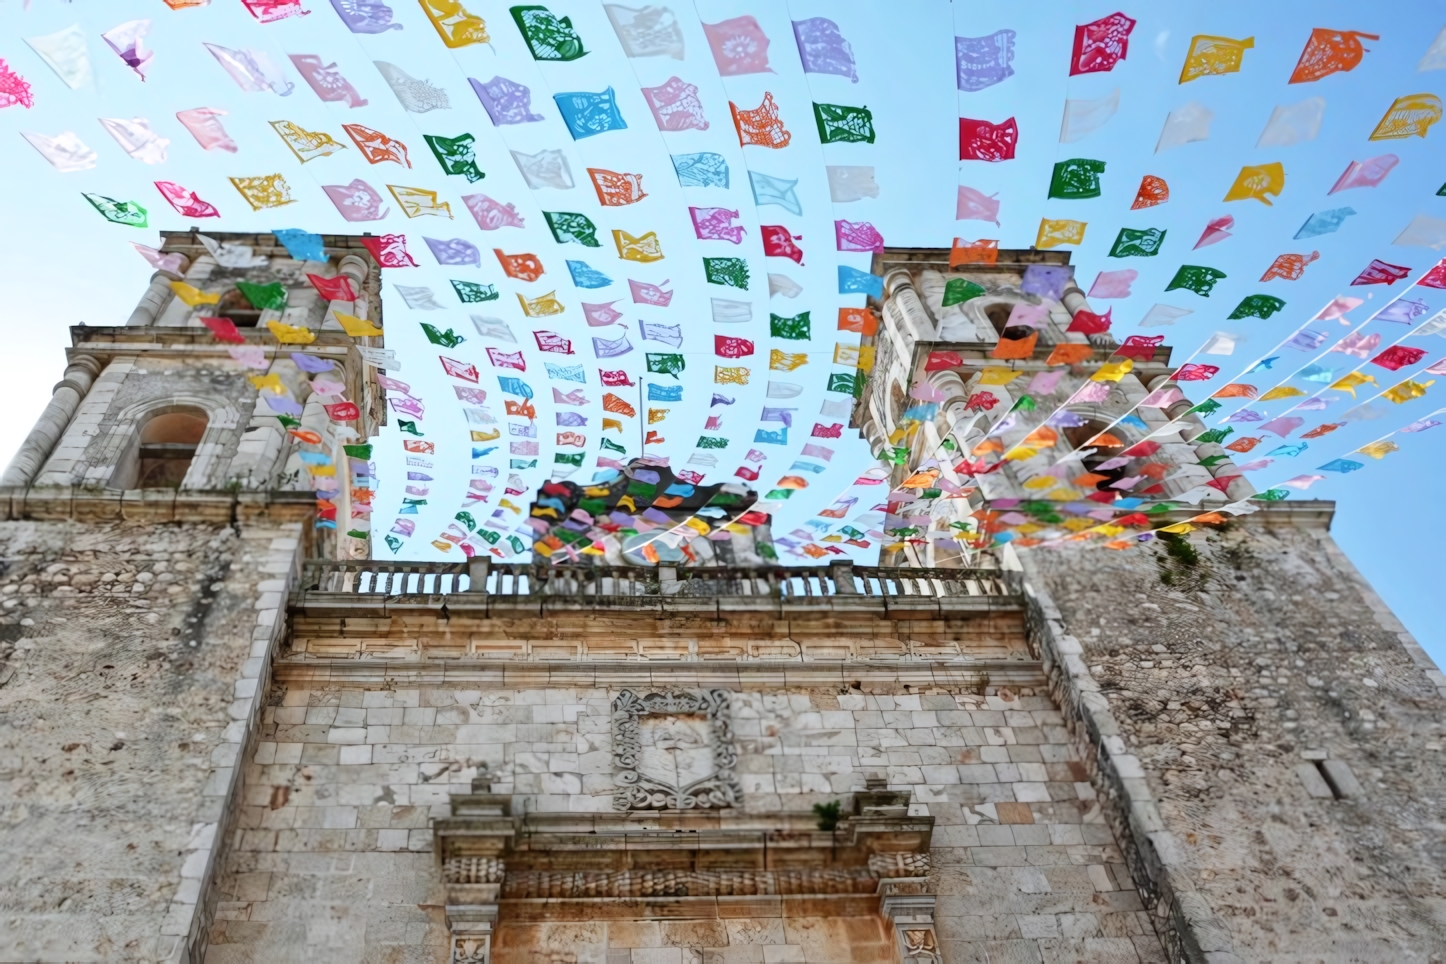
(981, 62)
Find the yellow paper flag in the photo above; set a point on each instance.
(322, 470)
(291, 334)
(488, 436)
(997, 376)
(356, 327)
(194, 296)
(1256, 181)
(1053, 233)
(1407, 390)
(608, 424)
(1379, 450)
(541, 306)
(1351, 381)
(1412, 114)
(786, 361)
(1113, 371)
(1179, 528)
(417, 201)
(645, 248)
(723, 375)
(1281, 391)
(1213, 55)
(269, 382)
(457, 27)
(267, 191)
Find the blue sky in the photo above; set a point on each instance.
(67, 264)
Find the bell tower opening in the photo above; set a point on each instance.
(167, 445)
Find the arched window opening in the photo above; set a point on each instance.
(235, 306)
(1107, 444)
(998, 316)
(167, 445)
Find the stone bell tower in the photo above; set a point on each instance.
(150, 527)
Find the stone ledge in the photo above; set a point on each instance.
(760, 675)
(67, 504)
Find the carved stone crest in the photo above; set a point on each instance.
(674, 751)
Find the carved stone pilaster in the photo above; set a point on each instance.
(471, 926)
(906, 903)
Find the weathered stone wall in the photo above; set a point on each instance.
(129, 657)
(1239, 676)
(331, 860)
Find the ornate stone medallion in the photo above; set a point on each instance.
(674, 751)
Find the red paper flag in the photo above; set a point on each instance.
(979, 140)
(1195, 372)
(1140, 347)
(778, 242)
(343, 412)
(1380, 273)
(224, 329)
(1088, 323)
(939, 361)
(338, 288)
(1398, 356)
(1100, 44)
(1435, 278)
(389, 250)
(615, 379)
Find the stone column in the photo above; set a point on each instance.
(154, 301)
(68, 392)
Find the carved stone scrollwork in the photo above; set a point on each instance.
(674, 751)
(900, 865)
(471, 950)
(920, 945)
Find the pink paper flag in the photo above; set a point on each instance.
(491, 215)
(1045, 383)
(357, 201)
(739, 46)
(1367, 173)
(648, 294)
(818, 452)
(161, 262)
(185, 201)
(326, 80)
(1113, 284)
(1216, 231)
(252, 356)
(1162, 397)
(857, 236)
(1338, 307)
(676, 106)
(973, 205)
(1027, 316)
(599, 315)
(206, 129)
(716, 224)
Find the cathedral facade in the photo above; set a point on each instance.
(228, 734)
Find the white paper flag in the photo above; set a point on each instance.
(782, 284)
(129, 42)
(1424, 231)
(383, 358)
(493, 328)
(847, 184)
(1221, 343)
(206, 129)
(137, 139)
(253, 71)
(420, 298)
(731, 312)
(1435, 58)
(232, 255)
(544, 169)
(65, 52)
(1185, 125)
(1163, 315)
(1293, 123)
(1084, 117)
(65, 151)
(649, 32)
(836, 409)
(784, 390)
(417, 96)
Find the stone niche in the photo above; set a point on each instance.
(674, 751)
(678, 845)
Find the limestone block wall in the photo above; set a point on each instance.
(129, 661)
(331, 861)
(1273, 735)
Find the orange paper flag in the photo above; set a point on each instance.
(1015, 347)
(983, 251)
(861, 320)
(1069, 353)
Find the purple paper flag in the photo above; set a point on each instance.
(365, 16)
(506, 101)
(981, 62)
(311, 363)
(1046, 280)
(454, 251)
(823, 49)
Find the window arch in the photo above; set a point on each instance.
(1079, 437)
(165, 446)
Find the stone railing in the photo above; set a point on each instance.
(480, 577)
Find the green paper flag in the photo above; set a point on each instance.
(560, 458)
(470, 292)
(642, 490)
(844, 125)
(1257, 306)
(394, 544)
(611, 446)
(1272, 495)
(792, 329)
(1025, 404)
(358, 534)
(1194, 278)
(466, 519)
(409, 427)
(447, 339)
(959, 290)
(779, 494)
(1208, 407)
(516, 544)
(118, 212)
(548, 37)
(288, 422)
(488, 536)
(362, 452)
(272, 296)
(710, 442)
(1216, 435)
(849, 383)
(732, 272)
(567, 226)
(1138, 243)
(455, 155)
(665, 364)
(1076, 179)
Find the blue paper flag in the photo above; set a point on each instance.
(1326, 222)
(587, 114)
(665, 393)
(585, 275)
(701, 170)
(854, 281)
(1341, 465)
(301, 245)
(514, 386)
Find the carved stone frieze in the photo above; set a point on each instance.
(674, 751)
(473, 870)
(688, 883)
